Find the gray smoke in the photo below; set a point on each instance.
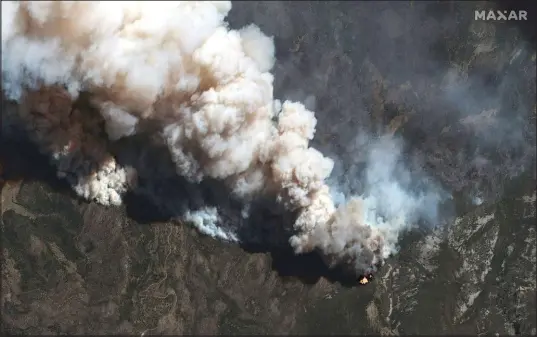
(173, 76)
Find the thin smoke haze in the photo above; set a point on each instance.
(175, 71)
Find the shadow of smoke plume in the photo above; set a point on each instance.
(72, 135)
(160, 194)
(21, 161)
(262, 227)
(365, 69)
(348, 87)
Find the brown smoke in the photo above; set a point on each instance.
(175, 69)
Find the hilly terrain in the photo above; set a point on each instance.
(460, 93)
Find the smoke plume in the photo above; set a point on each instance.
(175, 71)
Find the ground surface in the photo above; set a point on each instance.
(461, 94)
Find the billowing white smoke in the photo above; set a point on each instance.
(207, 89)
(387, 204)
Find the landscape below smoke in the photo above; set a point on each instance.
(126, 96)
